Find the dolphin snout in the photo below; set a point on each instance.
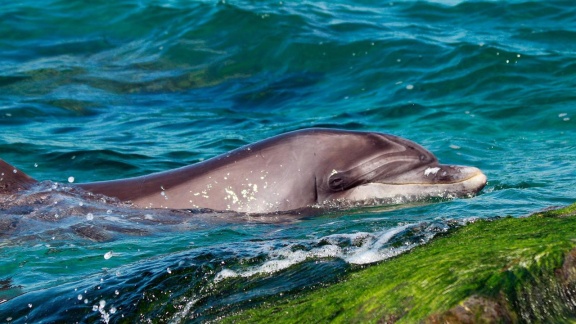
(477, 181)
(470, 178)
(450, 173)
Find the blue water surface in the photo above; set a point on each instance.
(100, 90)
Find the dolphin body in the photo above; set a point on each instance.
(306, 168)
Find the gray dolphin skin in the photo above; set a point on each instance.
(306, 168)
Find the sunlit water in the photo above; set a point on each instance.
(103, 90)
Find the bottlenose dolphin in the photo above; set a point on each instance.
(306, 168)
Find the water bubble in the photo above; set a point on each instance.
(108, 255)
(80, 204)
(79, 296)
(112, 310)
(409, 87)
(117, 292)
(35, 165)
(70, 179)
(89, 216)
(15, 171)
(168, 270)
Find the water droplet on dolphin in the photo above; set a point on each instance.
(432, 171)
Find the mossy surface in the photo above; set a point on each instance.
(503, 266)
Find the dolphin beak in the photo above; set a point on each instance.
(471, 179)
(474, 179)
(436, 180)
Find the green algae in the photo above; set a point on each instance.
(509, 269)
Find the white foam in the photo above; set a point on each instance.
(179, 316)
(224, 274)
(355, 248)
(371, 252)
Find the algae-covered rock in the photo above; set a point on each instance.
(475, 309)
(507, 270)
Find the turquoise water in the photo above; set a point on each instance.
(110, 89)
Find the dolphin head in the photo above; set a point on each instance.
(385, 169)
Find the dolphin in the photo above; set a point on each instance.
(301, 169)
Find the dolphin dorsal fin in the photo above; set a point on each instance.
(12, 179)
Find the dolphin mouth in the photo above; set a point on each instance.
(438, 175)
(471, 176)
(473, 184)
(465, 182)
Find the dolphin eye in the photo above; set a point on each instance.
(336, 182)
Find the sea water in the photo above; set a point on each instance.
(97, 90)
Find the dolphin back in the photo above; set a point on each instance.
(13, 179)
